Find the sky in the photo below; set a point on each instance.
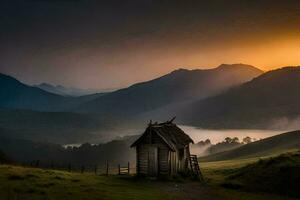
(113, 44)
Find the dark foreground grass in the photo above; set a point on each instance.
(19, 183)
(278, 175)
(28, 183)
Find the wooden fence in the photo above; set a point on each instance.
(106, 169)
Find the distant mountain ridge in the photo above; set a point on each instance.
(177, 86)
(219, 98)
(14, 94)
(17, 95)
(66, 91)
(44, 116)
(270, 97)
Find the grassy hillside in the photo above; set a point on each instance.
(35, 184)
(31, 184)
(279, 175)
(268, 146)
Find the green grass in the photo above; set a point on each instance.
(278, 174)
(216, 172)
(28, 183)
(34, 184)
(243, 195)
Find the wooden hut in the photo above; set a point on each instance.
(163, 149)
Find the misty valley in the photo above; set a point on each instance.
(228, 117)
(150, 100)
(198, 135)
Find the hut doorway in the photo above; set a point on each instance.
(153, 161)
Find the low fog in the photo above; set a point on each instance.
(216, 136)
(285, 123)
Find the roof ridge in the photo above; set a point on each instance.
(162, 123)
(173, 135)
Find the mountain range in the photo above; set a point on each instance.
(270, 100)
(66, 91)
(17, 95)
(228, 96)
(178, 86)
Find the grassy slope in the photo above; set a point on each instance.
(280, 175)
(30, 184)
(215, 172)
(268, 146)
(234, 179)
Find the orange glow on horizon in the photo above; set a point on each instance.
(265, 55)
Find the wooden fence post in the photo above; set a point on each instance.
(96, 168)
(82, 169)
(37, 163)
(128, 168)
(106, 168)
(69, 167)
(119, 166)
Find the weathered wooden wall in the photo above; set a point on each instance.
(168, 162)
(142, 159)
(151, 140)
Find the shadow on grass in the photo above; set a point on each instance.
(15, 177)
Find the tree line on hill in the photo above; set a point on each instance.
(28, 152)
(205, 147)
(115, 152)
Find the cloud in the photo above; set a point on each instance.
(285, 123)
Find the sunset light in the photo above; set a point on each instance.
(150, 100)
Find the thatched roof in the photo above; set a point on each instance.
(173, 136)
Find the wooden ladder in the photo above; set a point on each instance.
(195, 167)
